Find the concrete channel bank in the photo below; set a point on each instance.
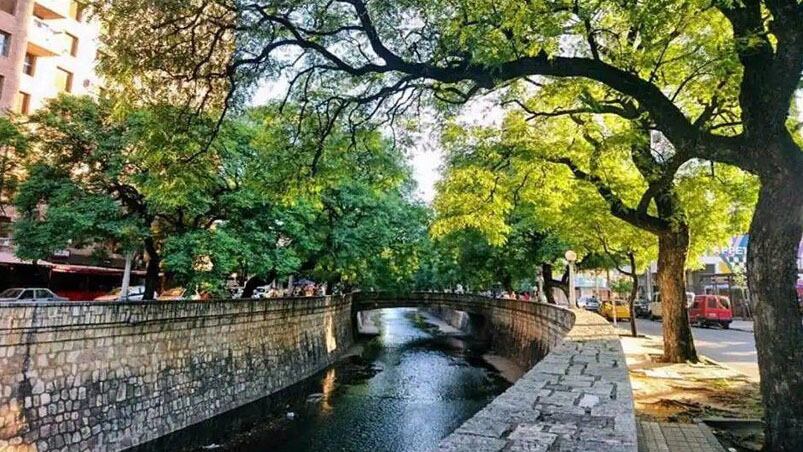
(108, 376)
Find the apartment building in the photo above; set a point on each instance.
(46, 47)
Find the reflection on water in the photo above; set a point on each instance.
(424, 389)
(328, 388)
(410, 388)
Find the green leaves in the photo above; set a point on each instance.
(57, 213)
(262, 198)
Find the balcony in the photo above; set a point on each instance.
(44, 40)
(50, 9)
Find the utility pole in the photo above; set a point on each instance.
(571, 256)
(129, 256)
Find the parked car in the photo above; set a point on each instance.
(709, 310)
(261, 292)
(236, 292)
(622, 310)
(656, 310)
(29, 294)
(135, 293)
(180, 293)
(589, 303)
(642, 307)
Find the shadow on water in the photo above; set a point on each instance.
(410, 386)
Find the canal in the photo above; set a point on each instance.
(407, 387)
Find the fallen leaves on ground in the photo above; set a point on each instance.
(667, 392)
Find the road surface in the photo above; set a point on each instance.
(735, 347)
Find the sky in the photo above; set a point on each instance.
(426, 159)
(427, 156)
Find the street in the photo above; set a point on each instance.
(735, 347)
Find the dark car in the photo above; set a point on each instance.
(642, 308)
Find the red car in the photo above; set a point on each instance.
(709, 310)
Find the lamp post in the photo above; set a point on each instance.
(571, 257)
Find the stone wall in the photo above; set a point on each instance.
(456, 319)
(106, 376)
(520, 330)
(577, 398)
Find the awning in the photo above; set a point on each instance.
(87, 269)
(10, 259)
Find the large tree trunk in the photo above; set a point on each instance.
(550, 283)
(151, 270)
(673, 247)
(775, 234)
(633, 293)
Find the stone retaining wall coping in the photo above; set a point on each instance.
(577, 398)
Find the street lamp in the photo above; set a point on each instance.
(571, 257)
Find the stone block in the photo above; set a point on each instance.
(461, 443)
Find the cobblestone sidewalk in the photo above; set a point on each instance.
(669, 437)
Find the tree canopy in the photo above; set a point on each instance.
(257, 200)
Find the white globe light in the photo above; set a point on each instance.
(570, 256)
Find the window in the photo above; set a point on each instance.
(8, 6)
(29, 64)
(10, 293)
(44, 294)
(71, 44)
(5, 43)
(77, 10)
(27, 295)
(2, 83)
(712, 303)
(22, 103)
(63, 80)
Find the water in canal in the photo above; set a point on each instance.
(411, 387)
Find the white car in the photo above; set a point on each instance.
(656, 310)
(29, 294)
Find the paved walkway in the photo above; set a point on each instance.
(668, 437)
(735, 348)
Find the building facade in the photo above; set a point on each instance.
(47, 47)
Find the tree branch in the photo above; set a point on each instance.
(617, 207)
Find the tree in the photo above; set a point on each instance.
(104, 176)
(337, 210)
(613, 162)
(466, 256)
(13, 150)
(56, 212)
(715, 78)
